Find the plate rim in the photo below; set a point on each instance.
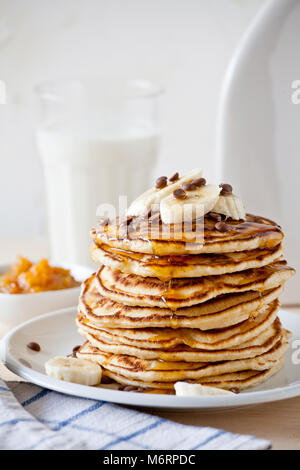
(137, 399)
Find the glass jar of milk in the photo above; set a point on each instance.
(98, 140)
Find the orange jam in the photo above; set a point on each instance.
(24, 277)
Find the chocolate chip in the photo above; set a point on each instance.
(189, 186)
(226, 189)
(215, 216)
(175, 177)
(34, 346)
(222, 227)
(161, 182)
(130, 388)
(234, 390)
(179, 193)
(75, 350)
(106, 380)
(199, 182)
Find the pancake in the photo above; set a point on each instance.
(169, 338)
(220, 312)
(236, 382)
(149, 235)
(168, 267)
(254, 347)
(194, 301)
(131, 289)
(162, 371)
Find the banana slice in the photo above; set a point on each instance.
(197, 203)
(73, 369)
(185, 389)
(231, 206)
(145, 201)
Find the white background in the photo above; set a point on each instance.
(184, 45)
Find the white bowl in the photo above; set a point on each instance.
(17, 308)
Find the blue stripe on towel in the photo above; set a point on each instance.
(36, 397)
(208, 439)
(84, 412)
(16, 421)
(59, 422)
(134, 434)
(47, 438)
(79, 427)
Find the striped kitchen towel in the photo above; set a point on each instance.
(32, 417)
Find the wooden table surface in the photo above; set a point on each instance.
(279, 422)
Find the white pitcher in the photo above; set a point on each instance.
(258, 134)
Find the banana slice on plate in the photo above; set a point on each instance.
(231, 206)
(145, 201)
(185, 389)
(73, 369)
(193, 205)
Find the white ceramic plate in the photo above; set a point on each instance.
(57, 335)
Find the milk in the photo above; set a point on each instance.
(85, 167)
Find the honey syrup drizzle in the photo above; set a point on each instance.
(140, 228)
(152, 230)
(164, 267)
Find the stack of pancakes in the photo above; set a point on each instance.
(162, 310)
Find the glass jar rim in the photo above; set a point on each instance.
(57, 90)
